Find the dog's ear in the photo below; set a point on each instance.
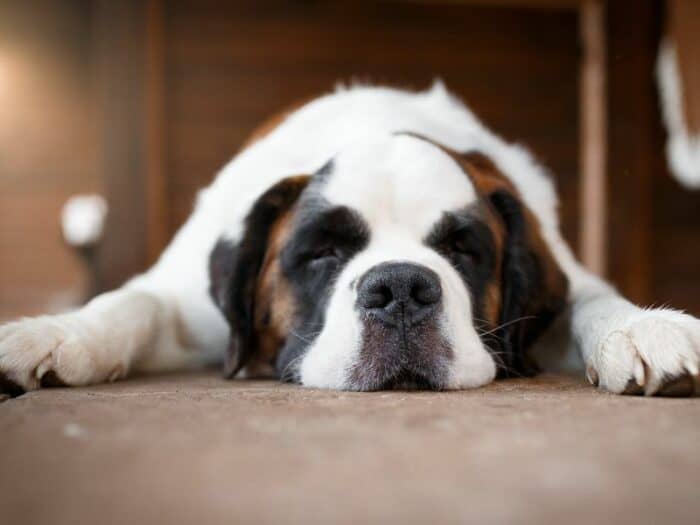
(239, 269)
(533, 287)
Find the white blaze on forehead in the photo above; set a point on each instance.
(398, 179)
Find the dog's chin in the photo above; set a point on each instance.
(402, 379)
(407, 380)
(418, 358)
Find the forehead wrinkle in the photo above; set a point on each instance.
(398, 180)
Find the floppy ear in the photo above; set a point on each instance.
(236, 267)
(533, 287)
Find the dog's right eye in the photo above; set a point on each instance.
(325, 253)
(463, 247)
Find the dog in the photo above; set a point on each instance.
(371, 239)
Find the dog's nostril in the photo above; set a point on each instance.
(378, 297)
(426, 293)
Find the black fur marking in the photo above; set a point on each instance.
(528, 307)
(234, 270)
(221, 263)
(466, 241)
(321, 175)
(324, 240)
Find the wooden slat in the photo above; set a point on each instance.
(120, 56)
(47, 149)
(156, 181)
(530, 4)
(593, 149)
(634, 147)
(230, 66)
(684, 26)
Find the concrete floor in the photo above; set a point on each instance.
(196, 449)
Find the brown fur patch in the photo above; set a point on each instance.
(488, 179)
(492, 300)
(274, 301)
(483, 172)
(248, 310)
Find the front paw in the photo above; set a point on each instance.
(48, 351)
(655, 352)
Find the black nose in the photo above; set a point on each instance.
(397, 292)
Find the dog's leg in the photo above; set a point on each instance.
(128, 329)
(161, 320)
(626, 348)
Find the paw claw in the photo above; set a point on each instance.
(640, 371)
(44, 367)
(592, 376)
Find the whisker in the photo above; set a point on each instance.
(305, 338)
(290, 374)
(524, 318)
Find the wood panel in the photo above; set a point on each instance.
(228, 66)
(675, 249)
(654, 223)
(633, 143)
(120, 58)
(47, 151)
(675, 245)
(684, 26)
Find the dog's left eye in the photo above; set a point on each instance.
(463, 247)
(325, 253)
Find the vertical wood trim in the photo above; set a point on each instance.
(634, 146)
(156, 181)
(594, 128)
(684, 27)
(119, 83)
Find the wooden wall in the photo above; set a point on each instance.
(156, 96)
(47, 151)
(654, 226)
(230, 65)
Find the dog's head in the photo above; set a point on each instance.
(397, 263)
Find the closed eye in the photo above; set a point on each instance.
(325, 254)
(332, 236)
(462, 245)
(460, 237)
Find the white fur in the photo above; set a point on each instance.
(165, 319)
(82, 219)
(682, 147)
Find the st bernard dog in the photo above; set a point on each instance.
(371, 239)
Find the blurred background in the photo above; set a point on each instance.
(142, 102)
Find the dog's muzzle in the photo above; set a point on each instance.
(400, 303)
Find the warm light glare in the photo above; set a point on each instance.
(4, 78)
(3, 74)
